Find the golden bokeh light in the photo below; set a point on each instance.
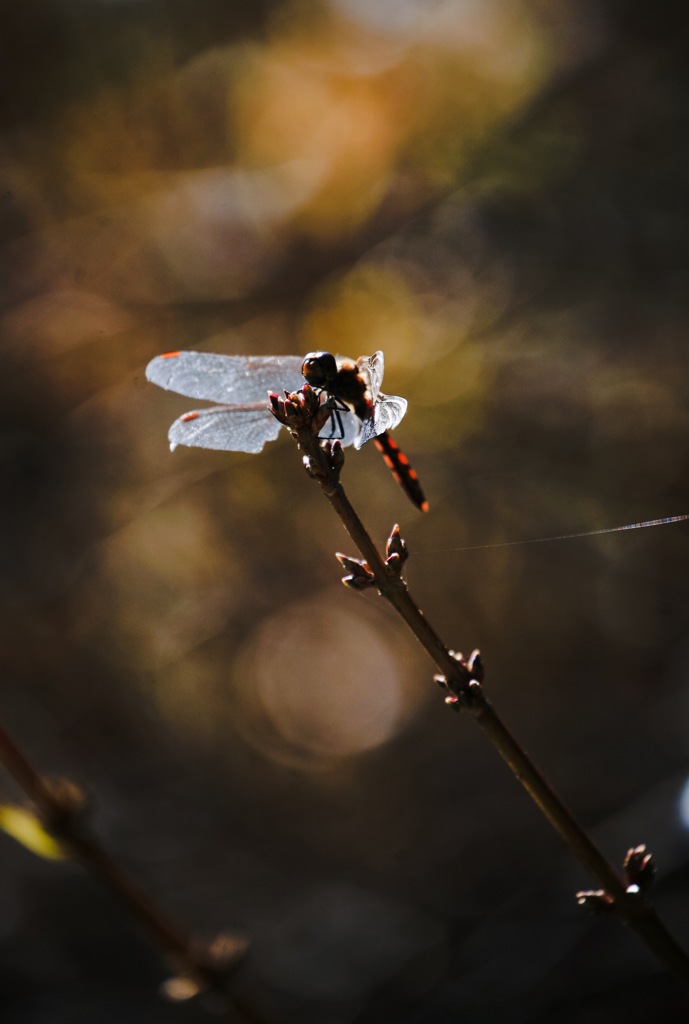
(317, 687)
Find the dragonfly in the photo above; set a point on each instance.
(243, 421)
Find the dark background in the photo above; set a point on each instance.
(496, 195)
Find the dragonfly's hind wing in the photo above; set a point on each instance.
(388, 411)
(343, 426)
(371, 369)
(226, 428)
(219, 378)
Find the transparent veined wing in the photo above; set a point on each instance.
(235, 428)
(388, 411)
(247, 428)
(371, 369)
(343, 426)
(226, 379)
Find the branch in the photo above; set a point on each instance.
(304, 415)
(199, 966)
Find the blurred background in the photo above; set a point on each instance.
(495, 194)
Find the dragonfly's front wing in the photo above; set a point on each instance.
(228, 379)
(226, 428)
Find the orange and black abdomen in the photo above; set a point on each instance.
(401, 469)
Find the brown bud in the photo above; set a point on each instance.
(395, 563)
(358, 582)
(226, 950)
(356, 565)
(475, 666)
(596, 901)
(359, 574)
(396, 546)
(68, 805)
(639, 868)
(335, 455)
(310, 399)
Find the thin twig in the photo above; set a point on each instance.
(61, 808)
(627, 900)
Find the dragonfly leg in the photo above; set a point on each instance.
(336, 427)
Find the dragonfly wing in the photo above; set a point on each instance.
(225, 428)
(371, 369)
(229, 379)
(388, 411)
(343, 426)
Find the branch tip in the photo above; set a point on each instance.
(297, 410)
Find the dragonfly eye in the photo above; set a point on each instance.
(319, 369)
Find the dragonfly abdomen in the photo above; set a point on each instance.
(400, 467)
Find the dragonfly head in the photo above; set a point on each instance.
(319, 369)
